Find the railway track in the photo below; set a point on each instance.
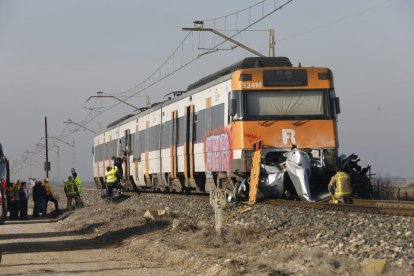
(396, 208)
(386, 207)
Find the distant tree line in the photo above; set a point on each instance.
(385, 189)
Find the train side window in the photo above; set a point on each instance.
(200, 126)
(195, 121)
(234, 106)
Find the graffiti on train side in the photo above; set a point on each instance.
(218, 153)
(252, 138)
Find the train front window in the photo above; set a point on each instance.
(285, 103)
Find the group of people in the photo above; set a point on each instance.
(42, 194)
(18, 200)
(18, 197)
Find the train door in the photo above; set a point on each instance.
(128, 179)
(189, 143)
(147, 148)
(127, 152)
(137, 154)
(174, 142)
(105, 157)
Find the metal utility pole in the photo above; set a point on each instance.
(272, 42)
(47, 165)
(199, 27)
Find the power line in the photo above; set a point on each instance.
(334, 21)
(162, 71)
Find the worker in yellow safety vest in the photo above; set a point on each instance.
(49, 196)
(71, 191)
(340, 188)
(14, 200)
(78, 183)
(112, 181)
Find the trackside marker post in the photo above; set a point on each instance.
(218, 200)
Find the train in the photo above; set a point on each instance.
(202, 137)
(5, 180)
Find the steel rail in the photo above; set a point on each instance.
(385, 207)
(362, 206)
(385, 203)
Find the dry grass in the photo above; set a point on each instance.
(241, 235)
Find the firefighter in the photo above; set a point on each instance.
(71, 191)
(340, 188)
(49, 196)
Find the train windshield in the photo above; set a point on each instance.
(285, 103)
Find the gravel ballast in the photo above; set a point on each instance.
(281, 239)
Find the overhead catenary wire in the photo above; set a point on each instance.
(147, 83)
(336, 21)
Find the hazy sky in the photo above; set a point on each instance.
(54, 54)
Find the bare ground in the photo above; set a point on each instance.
(119, 239)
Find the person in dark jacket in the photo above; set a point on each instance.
(14, 200)
(118, 163)
(23, 200)
(39, 198)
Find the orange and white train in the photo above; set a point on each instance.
(205, 133)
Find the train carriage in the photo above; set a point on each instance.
(207, 132)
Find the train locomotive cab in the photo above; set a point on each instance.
(294, 111)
